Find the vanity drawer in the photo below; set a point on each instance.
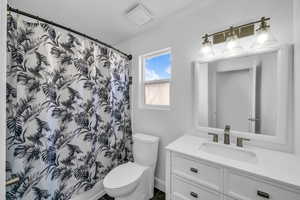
(182, 190)
(198, 172)
(243, 188)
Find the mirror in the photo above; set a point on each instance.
(242, 93)
(251, 93)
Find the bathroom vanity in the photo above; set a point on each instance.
(197, 168)
(252, 94)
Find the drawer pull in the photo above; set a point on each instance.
(193, 194)
(263, 194)
(194, 170)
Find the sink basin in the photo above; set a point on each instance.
(228, 151)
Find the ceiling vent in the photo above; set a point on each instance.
(139, 15)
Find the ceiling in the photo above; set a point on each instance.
(102, 19)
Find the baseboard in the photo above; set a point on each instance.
(159, 184)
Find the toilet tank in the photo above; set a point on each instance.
(145, 149)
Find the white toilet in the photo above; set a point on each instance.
(135, 180)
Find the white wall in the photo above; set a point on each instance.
(183, 34)
(297, 74)
(2, 96)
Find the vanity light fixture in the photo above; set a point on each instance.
(231, 36)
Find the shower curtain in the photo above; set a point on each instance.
(68, 117)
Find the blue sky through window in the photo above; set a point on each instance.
(158, 67)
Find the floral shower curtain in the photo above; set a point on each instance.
(68, 117)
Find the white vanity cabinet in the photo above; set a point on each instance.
(199, 178)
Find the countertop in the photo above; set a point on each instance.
(272, 165)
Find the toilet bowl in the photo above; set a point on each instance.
(124, 179)
(135, 180)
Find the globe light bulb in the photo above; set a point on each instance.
(264, 37)
(207, 49)
(233, 46)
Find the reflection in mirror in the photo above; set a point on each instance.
(241, 92)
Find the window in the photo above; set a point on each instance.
(156, 76)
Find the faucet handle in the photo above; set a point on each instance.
(215, 137)
(239, 141)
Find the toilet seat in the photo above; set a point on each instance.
(123, 179)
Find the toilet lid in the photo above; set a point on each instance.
(123, 175)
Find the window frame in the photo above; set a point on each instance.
(143, 82)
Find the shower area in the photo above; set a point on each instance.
(67, 110)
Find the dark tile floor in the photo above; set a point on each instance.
(158, 195)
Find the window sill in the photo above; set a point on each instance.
(155, 107)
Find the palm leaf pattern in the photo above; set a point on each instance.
(68, 113)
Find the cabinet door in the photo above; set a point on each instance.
(244, 188)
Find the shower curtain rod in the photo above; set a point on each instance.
(10, 9)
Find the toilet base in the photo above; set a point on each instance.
(142, 192)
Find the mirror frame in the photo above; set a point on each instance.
(283, 138)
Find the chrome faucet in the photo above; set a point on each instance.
(227, 134)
